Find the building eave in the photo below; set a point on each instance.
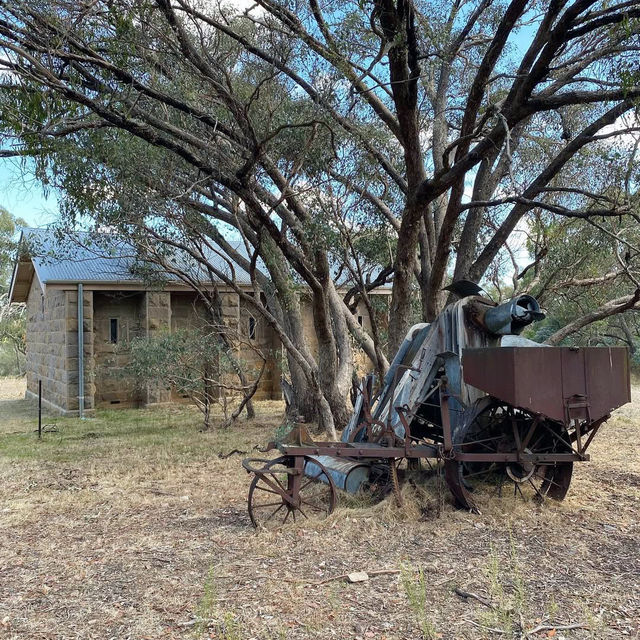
(137, 285)
(14, 273)
(131, 285)
(24, 266)
(13, 283)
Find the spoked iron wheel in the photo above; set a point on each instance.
(492, 427)
(279, 493)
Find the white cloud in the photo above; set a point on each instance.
(620, 133)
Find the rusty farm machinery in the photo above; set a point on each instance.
(496, 411)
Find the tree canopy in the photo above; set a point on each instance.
(404, 140)
(12, 317)
(8, 229)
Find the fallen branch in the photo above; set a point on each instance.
(342, 576)
(555, 627)
(482, 626)
(224, 456)
(195, 621)
(465, 595)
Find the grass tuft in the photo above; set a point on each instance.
(414, 583)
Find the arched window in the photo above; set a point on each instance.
(251, 328)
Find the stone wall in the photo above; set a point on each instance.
(235, 314)
(187, 311)
(264, 341)
(52, 343)
(113, 387)
(362, 363)
(52, 347)
(156, 318)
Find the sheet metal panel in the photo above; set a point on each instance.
(348, 476)
(545, 380)
(609, 379)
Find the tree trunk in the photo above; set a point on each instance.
(328, 358)
(303, 407)
(248, 404)
(628, 335)
(206, 397)
(400, 312)
(246, 399)
(285, 303)
(343, 342)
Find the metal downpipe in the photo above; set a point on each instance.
(80, 351)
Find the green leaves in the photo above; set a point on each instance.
(12, 337)
(8, 230)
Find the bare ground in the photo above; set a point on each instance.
(129, 525)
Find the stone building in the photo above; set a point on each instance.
(80, 363)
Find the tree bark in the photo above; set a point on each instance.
(400, 311)
(328, 356)
(303, 407)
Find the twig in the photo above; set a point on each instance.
(224, 456)
(556, 627)
(342, 576)
(467, 594)
(371, 574)
(195, 621)
(482, 626)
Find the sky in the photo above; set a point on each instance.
(23, 196)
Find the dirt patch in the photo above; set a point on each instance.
(143, 533)
(13, 388)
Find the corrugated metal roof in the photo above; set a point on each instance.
(108, 258)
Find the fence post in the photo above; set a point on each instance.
(39, 409)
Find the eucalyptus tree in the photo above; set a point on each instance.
(8, 229)
(449, 123)
(589, 283)
(585, 263)
(12, 317)
(168, 204)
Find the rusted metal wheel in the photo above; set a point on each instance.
(492, 427)
(280, 493)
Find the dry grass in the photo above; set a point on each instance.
(12, 388)
(129, 525)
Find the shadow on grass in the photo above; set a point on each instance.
(117, 433)
(17, 415)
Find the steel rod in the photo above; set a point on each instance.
(39, 409)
